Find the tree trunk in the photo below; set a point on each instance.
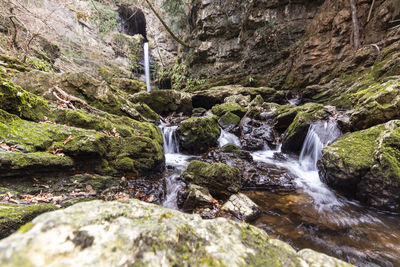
(356, 26)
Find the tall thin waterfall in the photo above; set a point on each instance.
(147, 65)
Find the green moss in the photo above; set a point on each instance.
(17, 101)
(13, 216)
(228, 120)
(234, 108)
(40, 64)
(26, 227)
(128, 85)
(26, 161)
(199, 133)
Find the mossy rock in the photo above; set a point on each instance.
(220, 179)
(131, 232)
(217, 95)
(234, 108)
(198, 134)
(13, 163)
(17, 101)
(128, 85)
(91, 150)
(12, 216)
(366, 164)
(228, 121)
(296, 133)
(165, 102)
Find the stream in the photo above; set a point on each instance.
(312, 216)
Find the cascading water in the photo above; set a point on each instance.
(147, 65)
(178, 163)
(228, 138)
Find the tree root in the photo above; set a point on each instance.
(68, 99)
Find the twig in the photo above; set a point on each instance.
(377, 47)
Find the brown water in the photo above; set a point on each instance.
(356, 234)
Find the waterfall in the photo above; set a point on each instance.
(319, 134)
(147, 65)
(171, 144)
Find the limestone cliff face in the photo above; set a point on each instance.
(291, 44)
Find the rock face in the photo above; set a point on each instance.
(366, 163)
(133, 232)
(244, 36)
(198, 134)
(220, 179)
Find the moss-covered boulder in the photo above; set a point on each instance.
(228, 121)
(220, 179)
(378, 103)
(140, 151)
(165, 101)
(217, 95)
(297, 131)
(13, 216)
(17, 101)
(132, 232)
(197, 134)
(366, 164)
(128, 85)
(234, 108)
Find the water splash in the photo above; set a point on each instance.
(228, 138)
(171, 144)
(147, 65)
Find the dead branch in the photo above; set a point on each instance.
(166, 26)
(370, 10)
(356, 27)
(67, 99)
(15, 33)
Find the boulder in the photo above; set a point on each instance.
(228, 121)
(217, 95)
(165, 102)
(241, 207)
(257, 134)
(240, 99)
(197, 197)
(13, 216)
(198, 134)
(366, 164)
(234, 108)
(220, 179)
(131, 232)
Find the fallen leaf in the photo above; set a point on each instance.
(89, 188)
(68, 139)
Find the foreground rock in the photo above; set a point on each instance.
(220, 179)
(133, 232)
(366, 163)
(198, 134)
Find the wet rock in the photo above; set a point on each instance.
(216, 95)
(197, 197)
(220, 179)
(241, 207)
(13, 216)
(255, 175)
(366, 164)
(198, 134)
(257, 134)
(133, 232)
(296, 133)
(165, 102)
